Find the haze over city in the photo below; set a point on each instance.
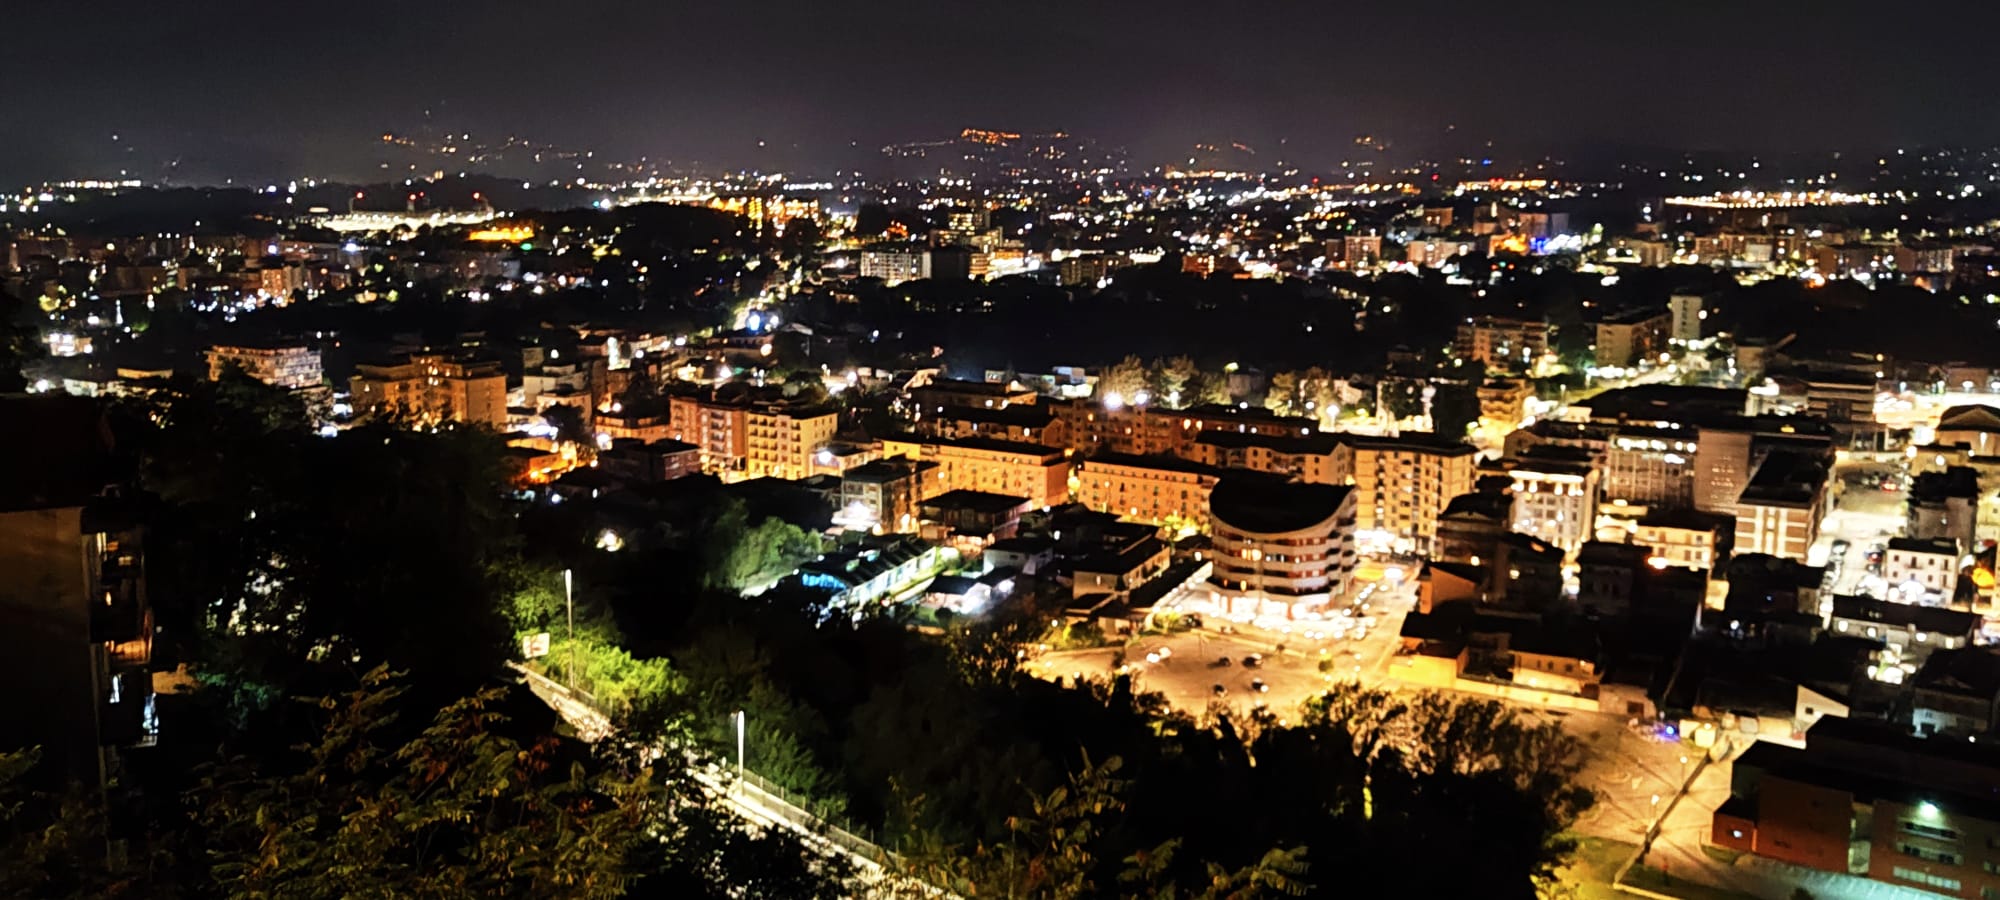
(253, 91)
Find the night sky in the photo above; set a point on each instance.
(263, 90)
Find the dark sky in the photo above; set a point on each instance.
(263, 89)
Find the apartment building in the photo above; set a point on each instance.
(1626, 338)
(1156, 489)
(1780, 509)
(1403, 484)
(882, 496)
(1922, 566)
(1500, 342)
(1315, 459)
(780, 438)
(433, 387)
(1036, 472)
(1686, 539)
(292, 367)
(1555, 495)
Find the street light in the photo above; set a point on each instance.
(741, 725)
(569, 604)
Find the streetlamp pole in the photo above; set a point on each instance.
(569, 604)
(741, 724)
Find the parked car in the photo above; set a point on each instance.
(1253, 660)
(1258, 685)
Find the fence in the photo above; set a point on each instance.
(776, 800)
(770, 798)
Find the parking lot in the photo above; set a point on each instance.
(1863, 517)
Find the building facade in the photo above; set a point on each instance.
(289, 367)
(780, 439)
(1281, 548)
(433, 388)
(1157, 489)
(1038, 473)
(1403, 484)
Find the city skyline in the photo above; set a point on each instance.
(777, 86)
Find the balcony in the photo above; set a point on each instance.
(128, 716)
(119, 615)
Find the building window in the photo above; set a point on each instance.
(1931, 831)
(1926, 878)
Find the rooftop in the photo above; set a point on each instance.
(1937, 546)
(1966, 671)
(1262, 504)
(1160, 461)
(1929, 619)
(987, 444)
(974, 501)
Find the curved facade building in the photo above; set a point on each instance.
(1281, 548)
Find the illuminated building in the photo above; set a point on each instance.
(1685, 314)
(1780, 510)
(622, 426)
(1031, 424)
(1403, 484)
(1036, 472)
(895, 265)
(1922, 565)
(1501, 342)
(719, 429)
(510, 234)
(289, 367)
(1431, 254)
(1091, 268)
(939, 395)
(1503, 403)
(1555, 496)
(780, 439)
(882, 495)
(1626, 338)
(1871, 800)
(1314, 458)
(1957, 693)
(1685, 538)
(1945, 504)
(1281, 548)
(1140, 428)
(1361, 250)
(1155, 489)
(1975, 427)
(970, 219)
(433, 387)
(1123, 428)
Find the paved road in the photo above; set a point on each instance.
(746, 800)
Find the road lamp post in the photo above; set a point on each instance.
(741, 726)
(569, 605)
